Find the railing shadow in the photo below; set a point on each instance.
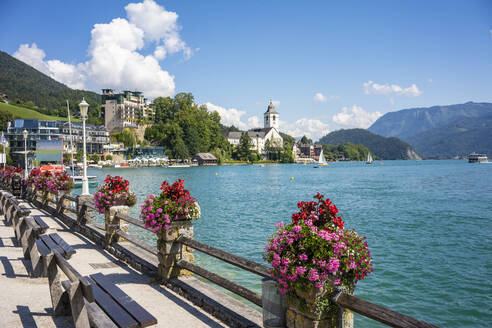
(9, 269)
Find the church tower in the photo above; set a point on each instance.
(271, 117)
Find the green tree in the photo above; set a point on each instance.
(306, 140)
(95, 158)
(244, 148)
(79, 156)
(109, 157)
(5, 117)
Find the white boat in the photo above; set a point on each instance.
(477, 158)
(322, 160)
(95, 166)
(369, 159)
(77, 181)
(179, 165)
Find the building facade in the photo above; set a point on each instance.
(259, 136)
(122, 110)
(97, 137)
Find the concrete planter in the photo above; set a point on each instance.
(171, 251)
(61, 193)
(112, 223)
(301, 312)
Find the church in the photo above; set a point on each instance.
(259, 136)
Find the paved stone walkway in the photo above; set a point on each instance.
(25, 301)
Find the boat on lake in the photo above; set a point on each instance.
(322, 160)
(477, 158)
(369, 159)
(77, 181)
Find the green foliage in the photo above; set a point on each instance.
(5, 117)
(79, 157)
(350, 151)
(185, 128)
(244, 148)
(109, 157)
(128, 137)
(25, 85)
(95, 158)
(384, 148)
(306, 140)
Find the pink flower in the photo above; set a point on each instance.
(300, 270)
(303, 257)
(336, 282)
(297, 228)
(333, 265)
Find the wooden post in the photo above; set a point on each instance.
(77, 304)
(59, 298)
(112, 223)
(171, 251)
(61, 201)
(84, 213)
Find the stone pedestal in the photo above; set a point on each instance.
(66, 202)
(301, 312)
(84, 213)
(171, 251)
(112, 223)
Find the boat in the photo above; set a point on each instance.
(121, 166)
(95, 166)
(322, 160)
(179, 165)
(369, 159)
(77, 181)
(477, 158)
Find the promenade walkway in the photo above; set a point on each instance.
(25, 301)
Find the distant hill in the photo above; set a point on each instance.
(384, 148)
(25, 85)
(411, 122)
(458, 138)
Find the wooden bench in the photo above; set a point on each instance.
(94, 301)
(41, 246)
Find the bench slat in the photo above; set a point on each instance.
(51, 244)
(113, 309)
(41, 223)
(69, 250)
(42, 249)
(144, 318)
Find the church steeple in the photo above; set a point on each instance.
(271, 116)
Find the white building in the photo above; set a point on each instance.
(122, 110)
(259, 136)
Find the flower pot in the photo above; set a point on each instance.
(302, 311)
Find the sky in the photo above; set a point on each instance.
(325, 65)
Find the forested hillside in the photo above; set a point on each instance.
(28, 87)
(459, 138)
(411, 122)
(383, 148)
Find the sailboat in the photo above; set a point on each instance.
(77, 179)
(369, 159)
(322, 160)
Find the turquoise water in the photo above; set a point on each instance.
(428, 225)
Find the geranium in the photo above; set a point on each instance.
(8, 172)
(50, 181)
(114, 192)
(173, 203)
(315, 251)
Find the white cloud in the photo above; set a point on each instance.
(312, 128)
(319, 97)
(386, 89)
(158, 25)
(232, 116)
(65, 73)
(115, 59)
(355, 116)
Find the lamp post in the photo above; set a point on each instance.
(24, 133)
(83, 114)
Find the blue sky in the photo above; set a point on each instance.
(326, 65)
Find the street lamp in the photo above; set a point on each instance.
(83, 114)
(24, 133)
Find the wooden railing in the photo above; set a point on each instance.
(353, 303)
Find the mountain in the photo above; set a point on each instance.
(384, 148)
(458, 138)
(411, 122)
(25, 85)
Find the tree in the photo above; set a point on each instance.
(5, 117)
(244, 147)
(306, 140)
(109, 157)
(80, 155)
(95, 158)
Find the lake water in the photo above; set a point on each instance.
(428, 224)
